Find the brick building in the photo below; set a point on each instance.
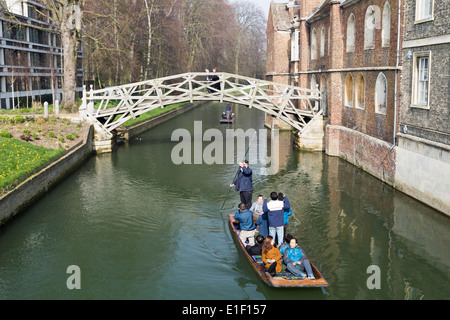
(354, 51)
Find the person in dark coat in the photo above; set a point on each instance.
(214, 78)
(257, 248)
(244, 184)
(228, 113)
(263, 224)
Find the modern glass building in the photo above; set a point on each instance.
(31, 56)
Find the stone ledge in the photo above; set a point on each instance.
(35, 186)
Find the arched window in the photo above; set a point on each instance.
(348, 96)
(381, 94)
(360, 87)
(314, 44)
(351, 33)
(369, 28)
(386, 28)
(322, 42)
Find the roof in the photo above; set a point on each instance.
(280, 16)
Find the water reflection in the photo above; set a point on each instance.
(141, 227)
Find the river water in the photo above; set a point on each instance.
(140, 227)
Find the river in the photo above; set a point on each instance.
(139, 226)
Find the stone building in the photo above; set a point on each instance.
(368, 57)
(31, 55)
(423, 155)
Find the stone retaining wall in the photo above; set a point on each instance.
(39, 183)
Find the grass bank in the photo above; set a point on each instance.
(18, 159)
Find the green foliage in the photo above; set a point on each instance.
(17, 159)
(5, 134)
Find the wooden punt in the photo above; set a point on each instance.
(227, 121)
(284, 279)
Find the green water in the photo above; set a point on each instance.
(140, 227)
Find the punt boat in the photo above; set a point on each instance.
(284, 279)
(230, 121)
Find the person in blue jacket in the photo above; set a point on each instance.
(263, 224)
(246, 224)
(287, 213)
(296, 261)
(244, 183)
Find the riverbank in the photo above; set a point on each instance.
(40, 180)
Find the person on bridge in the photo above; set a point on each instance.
(246, 224)
(244, 183)
(214, 78)
(275, 209)
(208, 80)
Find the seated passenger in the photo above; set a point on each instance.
(224, 116)
(296, 261)
(246, 224)
(285, 244)
(256, 207)
(271, 257)
(256, 250)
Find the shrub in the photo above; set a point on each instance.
(19, 119)
(35, 136)
(5, 134)
(26, 131)
(25, 137)
(51, 134)
(69, 137)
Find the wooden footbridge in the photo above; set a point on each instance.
(111, 107)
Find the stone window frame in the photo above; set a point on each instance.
(360, 93)
(295, 48)
(322, 42)
(370, 26)
(419, 18)
(417, 56)
(350, 43)
(378, 84)
(314, 44)
(386, 25)
(348, 90)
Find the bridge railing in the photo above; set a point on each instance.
(114, 106)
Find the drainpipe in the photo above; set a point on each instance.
(396, 74)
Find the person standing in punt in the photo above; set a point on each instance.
(275, 209)
(244, 183)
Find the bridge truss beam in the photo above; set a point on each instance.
(113, 106)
